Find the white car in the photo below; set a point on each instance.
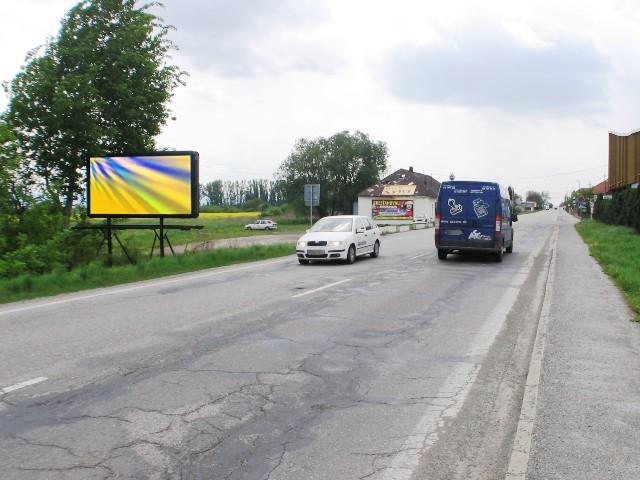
(343, 237)
(262, 225)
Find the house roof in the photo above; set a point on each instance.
(426, 186)
(602, 187)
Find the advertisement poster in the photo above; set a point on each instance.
(392, 209)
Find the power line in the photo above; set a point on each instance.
(562, 174)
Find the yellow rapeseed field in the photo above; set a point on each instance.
(229, 215)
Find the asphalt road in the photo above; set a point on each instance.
(398, 367)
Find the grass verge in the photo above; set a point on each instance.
(96, 275)
(617, 249)
(215, 228)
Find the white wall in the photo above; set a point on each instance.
(365, 205)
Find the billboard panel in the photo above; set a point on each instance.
(159, 184)
(392, 209)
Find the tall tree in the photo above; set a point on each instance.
(102, 85)
(15, 178)
(343, 164)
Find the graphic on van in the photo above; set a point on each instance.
(480, 207)
(476, 235)
(455, 208)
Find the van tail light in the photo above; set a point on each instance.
(498, 224)
(437, 223)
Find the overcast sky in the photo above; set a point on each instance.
(520, 92)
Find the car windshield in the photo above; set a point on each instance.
(332, 225)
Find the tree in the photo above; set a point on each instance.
(343, 165)
(533, 196)
(15, 179)
(101, 86)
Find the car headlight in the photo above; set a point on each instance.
(334, 244)
(302, 244)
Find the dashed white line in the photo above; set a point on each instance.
(321, 288)
(421, 255)
(18, 386)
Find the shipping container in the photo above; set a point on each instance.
(624, 159)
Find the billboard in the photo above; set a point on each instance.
(159, 184)
(392, 209)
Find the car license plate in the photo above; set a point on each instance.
(315, 252)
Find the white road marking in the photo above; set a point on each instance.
(321, 288)
(158, 283)
(456, 388)
(521, 449)
(421, 255)
(18, 386)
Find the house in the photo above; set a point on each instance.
(403, 197)
(602, 188)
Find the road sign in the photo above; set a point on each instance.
(312, 194)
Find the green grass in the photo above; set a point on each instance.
(617, 249)
(96, 275)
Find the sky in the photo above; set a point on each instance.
(524, 92)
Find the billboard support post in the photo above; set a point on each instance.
(161, 237)
(109, 243)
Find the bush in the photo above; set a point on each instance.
(622, 209)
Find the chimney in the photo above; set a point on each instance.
(411, 169)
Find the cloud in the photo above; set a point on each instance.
(489, 68)
(249, 38)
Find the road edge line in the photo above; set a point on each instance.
(521, 448)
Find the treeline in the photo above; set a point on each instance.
(238, 192)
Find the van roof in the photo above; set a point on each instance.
(504, 193)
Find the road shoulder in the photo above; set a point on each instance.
(588, 412)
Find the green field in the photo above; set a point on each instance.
(617, 249)
(97, 275)
(215, 228)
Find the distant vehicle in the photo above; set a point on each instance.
(474, 216)
(547, 207)
(262, 225)
(342, 237)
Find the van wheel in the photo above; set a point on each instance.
(376, 250)
(442, 254)
(498, 255)
(510, 247)
(351, 255)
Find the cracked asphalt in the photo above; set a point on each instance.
(411, 369)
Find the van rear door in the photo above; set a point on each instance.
(468, 214)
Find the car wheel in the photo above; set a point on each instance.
(376, 250)
(498, 255)
(248, 228)
(267, 228)
(303, 261)
(510, 247)
(351, 255)
(442, 254)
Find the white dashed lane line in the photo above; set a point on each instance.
(18, 386)
(321, 288)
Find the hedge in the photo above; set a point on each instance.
(622, 209)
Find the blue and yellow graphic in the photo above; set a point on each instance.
(142, 185)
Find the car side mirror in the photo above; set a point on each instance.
(514, 217)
